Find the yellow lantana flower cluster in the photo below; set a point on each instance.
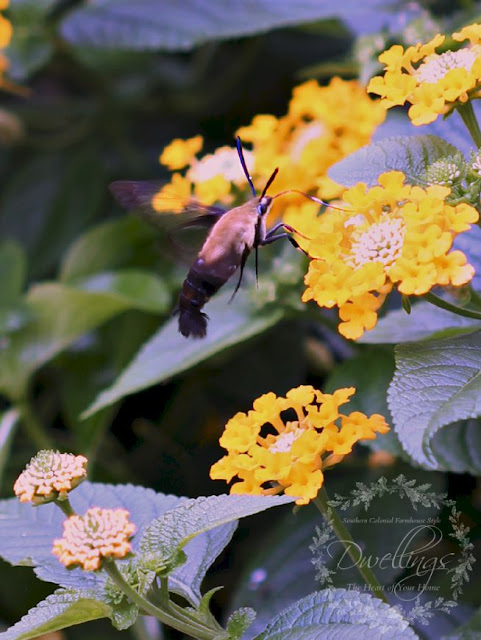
(100, 533)
(322, 125)
(432, 81)
(391, 234)
(269, 453)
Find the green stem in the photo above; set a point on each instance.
(466, 112)
(190, 627)
(475, 297)
(66, 507)
(32, 426)
(164, 592)
(169, 613)
(343, 535)
(443, 304)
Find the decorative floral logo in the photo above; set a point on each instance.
(416, 553)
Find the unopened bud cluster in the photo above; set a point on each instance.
(50, 475)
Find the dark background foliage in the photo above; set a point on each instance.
(104, 94)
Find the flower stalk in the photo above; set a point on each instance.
(184, 623)
(448, 306)
(466, 112)
(343, 535)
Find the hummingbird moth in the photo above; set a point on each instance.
(233, 234)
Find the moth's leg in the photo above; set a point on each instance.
(272, 237)
(245, 255)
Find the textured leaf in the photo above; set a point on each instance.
(60, 315)
(283, 567)
(174, 26)
(454, 131)
(174, 529)
(469, 243)
(457, 447)
(340, 614)
(105, 247)
(424, 321)
(411, 155)
(60, 610)
(201, 552)
(168, 353)
(27, 533)
(436, 383)
(371, 391)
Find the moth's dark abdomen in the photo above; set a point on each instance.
(197, 288)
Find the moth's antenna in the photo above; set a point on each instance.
(312, 198)
(269, 182)
(244, 166)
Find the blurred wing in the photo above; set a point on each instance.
(137, 198)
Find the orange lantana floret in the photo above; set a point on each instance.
(99, 534)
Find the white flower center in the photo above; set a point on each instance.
(311, 131)
(436, 66)
(476, 164)
(225, 161)
(284, 442)
(381, 242)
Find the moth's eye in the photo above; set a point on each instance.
(263, 206)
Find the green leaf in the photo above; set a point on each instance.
(124, 614)
(167, 536)
(103, 358)
(139, 289)
(411, 155)
(435, 384)
(13, 267)
(61, 314)
(8, 426)
(285, 565)
(27, 533)
(105, 247)
(62, 609)
(469, 631)
(45, 203)
(424, 321)
(240, 621)
(30, 47)
(28, 11)
(469, 243)
(168, 353)
(340, 614)
(13, 319)
(173, 26)
(28, 51)
(457, 447)
(371, 391)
